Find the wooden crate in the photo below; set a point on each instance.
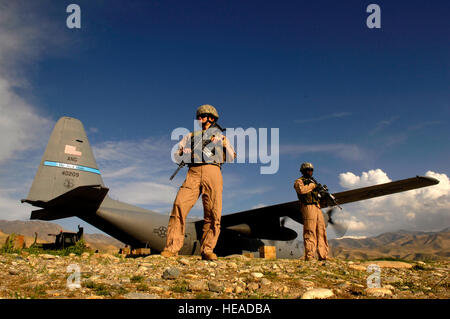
(268, 252)
(141, 251)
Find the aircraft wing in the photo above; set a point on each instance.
(265, 222)
(358, 194)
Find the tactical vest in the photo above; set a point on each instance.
(310, 198)
(204, 159)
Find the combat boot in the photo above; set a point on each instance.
(209, 256)
(167, 253)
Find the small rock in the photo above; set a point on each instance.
(54, 293)
(265, 282)
(13, 272)
(198, 285)
(405, 287)
(390, 264)
(184, 261)
(109, 257)
(232, 265)
(156, 289)
(191, 276)
(48, 257)
(215, 286)
(238, 289)
(344, 285)
(257, 275)
(305, 283)
(252, 286)
(389, 287)
(378, 292)
(85, 255)
(358, 285)
(171, 273)
(392, 279)
(358, 267)
(318, 293)
(228, 290)
(72, 255)
(140, 295)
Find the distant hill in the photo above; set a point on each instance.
(28, 228)
(400, 244)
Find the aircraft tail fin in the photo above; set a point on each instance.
(67, 171)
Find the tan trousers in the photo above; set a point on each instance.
(314, 232)
(205, 180)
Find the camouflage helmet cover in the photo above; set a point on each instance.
(306, 166)
(207, 109)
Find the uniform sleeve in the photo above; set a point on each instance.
(302, 188)
(181, 145)
(230, 154)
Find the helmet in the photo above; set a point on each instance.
(306, 166)
(208, 109)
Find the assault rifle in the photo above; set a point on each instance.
(204, 142)
(323, 192)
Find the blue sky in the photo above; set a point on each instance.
(345, 97)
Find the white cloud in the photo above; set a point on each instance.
(260, 205)
(145, 193)
(372, 177)
(137, 171)
(21, 43)
(356, 225)
(425, 209)
(23, 129)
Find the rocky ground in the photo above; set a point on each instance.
(27, 275)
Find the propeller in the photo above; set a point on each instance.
(338, 223)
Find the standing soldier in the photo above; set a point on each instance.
(203, 177)
(314, 229)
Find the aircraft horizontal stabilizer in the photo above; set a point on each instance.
(79, 201)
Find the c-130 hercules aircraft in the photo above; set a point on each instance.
(68, 183)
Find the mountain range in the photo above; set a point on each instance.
(402, 244)
(43, 229)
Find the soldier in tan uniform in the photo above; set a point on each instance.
(203, 177)
(314, 229)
